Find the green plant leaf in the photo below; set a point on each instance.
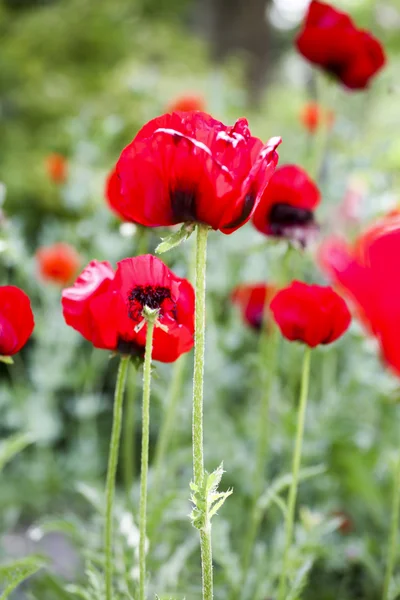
(12, 446)
(176, 238)
(12, 574)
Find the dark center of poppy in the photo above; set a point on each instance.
(284, 215)
(146, 295)
(183, 204)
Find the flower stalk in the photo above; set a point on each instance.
(289, 523)
(198, 385)
(150, 317)
(129, 433)
(111, 472)
(393, 534)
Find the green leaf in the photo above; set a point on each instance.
(176, 238)
(300, 580)
(12, 446)
(13, 574)
(281, 483)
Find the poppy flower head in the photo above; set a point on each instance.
(107, 307)
(287, 205)
(369, 274)
(58, 263)
(311, 314)
(186, 103)
(57, 167)
(189, 167)
(331, 40)
(313, 115)
(16, 320)
(253, 301)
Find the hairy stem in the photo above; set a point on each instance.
(289, 525)
(393, 534)
(145, 453)
(197, 425)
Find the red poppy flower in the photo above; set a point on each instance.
(330, 40)
(58, 263)
(113, 194)
(16, 320)
(106, 308)
(311, 314)
(287, 205)
(57, 167)
(189, 167)
(186, 103)
(313, 115)
(369, 273)
(252, 300)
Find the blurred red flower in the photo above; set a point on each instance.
(331, 40)
(369, 273)
(286, 207)
(185, 167)
(186, 103)
(313, 115)
(57, 167)
(311, 314)
(16, 320)
(253, 300)
(58, 263)
(106, 307)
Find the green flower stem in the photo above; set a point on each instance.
(174, 395)
(167, 427)
(150, 317)
(267, 365)
(198, 376)
(112, 470)
(289, 525)
(393, 535)
(129, 433)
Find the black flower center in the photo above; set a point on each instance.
(146, 295)
(183, 204)
(284, 215)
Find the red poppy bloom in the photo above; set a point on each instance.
(252, 300)
(106, 307)
(58, 263)
(313, 115)
(57, 167)
(287, 205)
(186, 103)
(311, 314)
(113, 194)
(330, 40)
(189, 167)
(369, 273)
(16, 320)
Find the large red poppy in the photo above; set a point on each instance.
(369, 272)
(253, 300)
(186, 166)
(105, 307)
(331, 40)
(287, 205)
(16, 320)
(311, 314)
(58, 263)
